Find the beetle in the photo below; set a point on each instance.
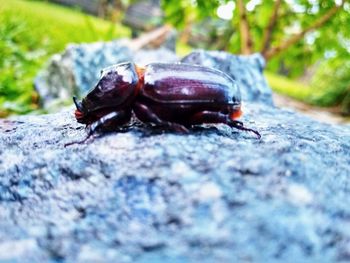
(174, 96)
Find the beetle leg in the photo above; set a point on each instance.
(217, 117)
(238, 125)
(106, 122)
(146, 115)
(109, 121)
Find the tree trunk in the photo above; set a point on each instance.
(246, 40)
(267, 36)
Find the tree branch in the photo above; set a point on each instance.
(246, 40)
(153, 38)
(269, 29)
(293, 39)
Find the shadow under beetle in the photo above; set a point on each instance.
(173, 96)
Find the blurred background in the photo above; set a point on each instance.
(306, 43)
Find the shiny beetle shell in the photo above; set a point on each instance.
(174, 96)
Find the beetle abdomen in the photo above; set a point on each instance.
(188, 84)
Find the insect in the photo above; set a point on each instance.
(172, 96)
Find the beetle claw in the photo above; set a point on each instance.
(78, 142)
(179, 128)
(239, 125)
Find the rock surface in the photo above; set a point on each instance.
(214, 195)
(77, 69)
(142, 195)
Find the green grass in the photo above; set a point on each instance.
(30, 32)
(291, 88)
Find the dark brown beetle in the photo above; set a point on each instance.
(173, 96)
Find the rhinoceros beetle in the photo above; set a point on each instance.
(174, 96)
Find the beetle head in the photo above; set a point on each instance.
(115, 86)
(80, 114)
(84, 116)
(114, 91)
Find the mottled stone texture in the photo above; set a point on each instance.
(77, 69)
(142, 195)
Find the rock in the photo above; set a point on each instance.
(246, 70)
(142, 195)
(146, 56)
(213, 195)
(77, 69)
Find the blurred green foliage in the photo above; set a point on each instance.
(331, 84)
(329, 87)
(293, 17)
(293, 89)
(29, 33)
(328, 44)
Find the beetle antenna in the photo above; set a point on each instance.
(77, 104)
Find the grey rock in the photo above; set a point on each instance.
(77, 69)
(213, 195)
(146, 56)
(246, 70)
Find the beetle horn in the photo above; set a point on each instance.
(77, 104)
